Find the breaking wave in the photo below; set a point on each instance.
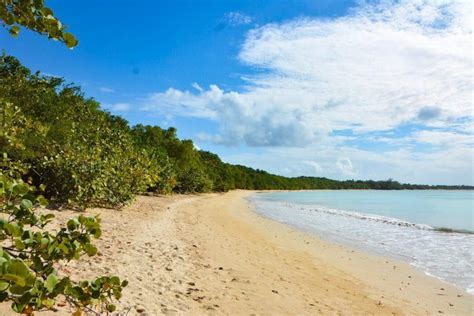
(443, 252)
(383, 219)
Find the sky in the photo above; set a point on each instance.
(337, 89)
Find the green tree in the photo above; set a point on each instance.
(34, 15)
(29, 253)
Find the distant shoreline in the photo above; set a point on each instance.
(302, 190)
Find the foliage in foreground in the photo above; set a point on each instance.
(29, 253)
(34, 15)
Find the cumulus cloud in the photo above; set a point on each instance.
(118, 107)
(372, 70)
(242, 117)
(345, 166)
(385, 65)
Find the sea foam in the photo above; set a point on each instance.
(445, 255)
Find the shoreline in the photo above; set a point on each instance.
(378, 253)
(212, 254)
(371, 268)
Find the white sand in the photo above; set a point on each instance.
(210, 254)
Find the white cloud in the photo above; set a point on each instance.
(118, 107)
(447, 166)
(106, 90)
(183, 103)
(316, 167)
(444, 138)
(345, 166)
(196, 86)
(236, 18)
(381, 66)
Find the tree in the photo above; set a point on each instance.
(29, 253)
(34, 15)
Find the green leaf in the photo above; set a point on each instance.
(111, 307)
(26, 204)
(3, 285)
(72, 224)
(14, 278)
(18, 307)
(51, 282)
(19, 244)
(18, 267)
(115, 280)
(44, 242)
(49, 303)
(21, 188)
(70, 40)
(90, 249)
(42, 201)
(63, 248)
(25, 298)
(13, 229)
(96, 232)
(47, 11)
(14, 31)
(49, 216)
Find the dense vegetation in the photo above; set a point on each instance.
(85, 156)
(29, 253)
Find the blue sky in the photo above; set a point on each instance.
(341, 89)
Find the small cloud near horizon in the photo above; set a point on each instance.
(106, 90)
(117, 107)
(233, 19)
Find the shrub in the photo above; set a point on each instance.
(29, 252)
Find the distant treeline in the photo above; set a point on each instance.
(52, 135)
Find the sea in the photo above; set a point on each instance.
(433, 230)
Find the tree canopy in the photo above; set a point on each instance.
(34, 15)
(88, 157)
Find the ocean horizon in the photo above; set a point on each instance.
(433, 230)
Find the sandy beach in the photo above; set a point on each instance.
(210, 254)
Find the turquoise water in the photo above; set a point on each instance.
(436, 208)
(433, 230)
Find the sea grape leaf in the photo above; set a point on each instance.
(51, 282)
